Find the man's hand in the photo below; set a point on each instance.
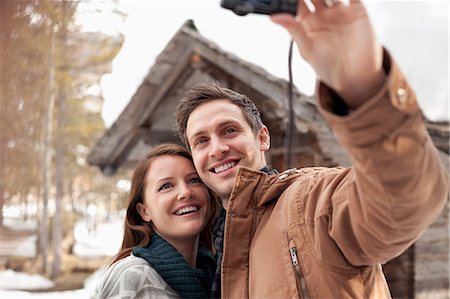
(340, 44)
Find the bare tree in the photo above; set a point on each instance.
(46, 65)
(6, 22)
(57, 230)
(47, 165)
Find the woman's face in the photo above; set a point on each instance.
(175, 200)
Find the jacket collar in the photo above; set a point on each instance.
(258, 188)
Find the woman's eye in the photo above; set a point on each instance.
(165, 186)
(195, 181)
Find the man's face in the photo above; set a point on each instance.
(221, 139)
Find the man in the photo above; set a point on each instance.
(319, 232)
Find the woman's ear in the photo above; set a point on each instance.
(142, 210)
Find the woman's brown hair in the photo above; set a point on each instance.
(137, 232)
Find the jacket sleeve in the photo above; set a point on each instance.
(397, 185)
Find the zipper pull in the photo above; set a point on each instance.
(293, 253)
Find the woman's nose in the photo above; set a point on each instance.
(184, 192)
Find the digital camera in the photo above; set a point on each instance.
(267, 7)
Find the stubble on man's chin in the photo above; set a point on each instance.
(225, 204)
(223, 191)
(224, 198)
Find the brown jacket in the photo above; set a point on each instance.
(324, 232)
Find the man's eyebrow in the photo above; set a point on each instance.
(227, 122)
(222, 124)
(196, 134)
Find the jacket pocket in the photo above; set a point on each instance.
(299, 277)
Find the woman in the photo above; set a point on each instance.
(165, 251)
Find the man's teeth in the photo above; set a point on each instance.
(224, 167)
(186, 210)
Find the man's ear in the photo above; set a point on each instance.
(264, 139)
(142, 210)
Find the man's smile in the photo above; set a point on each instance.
(224, 166)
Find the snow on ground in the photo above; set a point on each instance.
(40, 282)
(77, 294)
(23, 281)
(92, 239)
(102, 240)
(27, 248)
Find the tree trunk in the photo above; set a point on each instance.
(48, 159)
(2, 160)
(23, 205)
(39, 196)
(58, 227)
(60, 147)
(6, 13)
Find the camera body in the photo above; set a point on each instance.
(267, 7)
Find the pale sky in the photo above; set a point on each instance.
(415, 32)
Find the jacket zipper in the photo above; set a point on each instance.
(300, 278)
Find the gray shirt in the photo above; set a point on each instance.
(132, 277)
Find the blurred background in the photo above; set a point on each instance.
(68, 71)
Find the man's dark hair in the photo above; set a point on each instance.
(210, 91)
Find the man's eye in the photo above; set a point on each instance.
(165, 186)
(200, 141)
(230, 130)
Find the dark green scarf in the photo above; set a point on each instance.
(173, 268)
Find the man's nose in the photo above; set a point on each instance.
(218, 148)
